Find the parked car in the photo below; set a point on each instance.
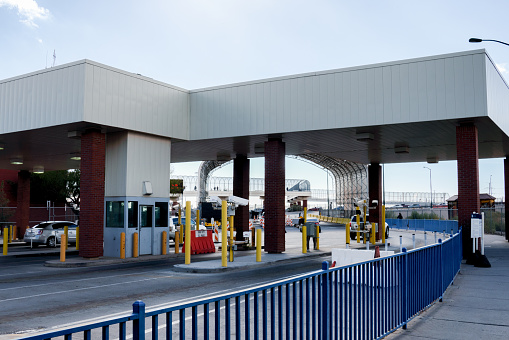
(415, 205)
(353, 226)
(174, 222)
(49, 233)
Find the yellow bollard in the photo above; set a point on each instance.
(188, 233)
(231, 238)
(14, 232)
(63, 241)
(78, 239)
(258, 245)
(177, 244)
(358, 217)
(165, 243)
(305, 215)
(135, 245)
(304, 240)
(197, 219)
(6, 240)
(10, 233)
(348, 233)
(122, 245)
(317, 237)
(373, 233)
(223, 233)
(383, 224)
(66, 232)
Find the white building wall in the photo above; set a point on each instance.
(40, 99)
(498, 96)
(440, 87)
(131, 159)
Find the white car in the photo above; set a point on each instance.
(353, 227)
(174, 223)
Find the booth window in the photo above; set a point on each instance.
(132, 214)
(114, 214)
(161, 213)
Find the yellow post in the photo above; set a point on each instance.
(373, 233)
(188, 233)
(180, 226)
(78, 239)
(258, 245)
(6, 240)
(348, 233)
(165, 243)
(177, 244)
(122, 245)
(14, 232)
(358, 216)
(66, 232)
(317, 237)
(223, 233)
(232, 239)
(383, 224)
(305, 214)
(197, 219)
(63, 241)
(135, 245)
(304, 240)
(10, 233)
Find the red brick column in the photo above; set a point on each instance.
(23, 203)
(93, 152)
(241, 189)
(375, 193)
(506, 186)
(274, 196)
(468, 180)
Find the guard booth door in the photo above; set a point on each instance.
(145, 240)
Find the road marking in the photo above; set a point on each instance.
(78, 289)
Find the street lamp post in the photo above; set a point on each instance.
(477, 40)
(430, 187)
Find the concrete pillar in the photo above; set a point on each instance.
(93, 151)
(23, 203)
(506, 186)
(241, 189)
(468, 180)
(274, 196)
(375, 193)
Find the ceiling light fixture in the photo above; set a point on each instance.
(2, 146)
(401, 149)
(38, 170)
(16, 161)
(75, 156)
(365, 136)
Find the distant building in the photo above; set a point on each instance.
(487, 202)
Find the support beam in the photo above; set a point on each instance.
(23, 203)
(274, 196)
(375, 193)
(93, 151)
(241, 189)
(468, 180)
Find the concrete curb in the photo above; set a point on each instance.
(74, 263)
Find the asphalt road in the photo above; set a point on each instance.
(34, 297)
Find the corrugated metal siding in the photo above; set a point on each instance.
(447, 87)
(498, 97)
(128, 101)
(46, 98)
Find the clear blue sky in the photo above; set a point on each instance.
(195, 44)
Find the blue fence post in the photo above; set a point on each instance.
(325, 301)
(404, 276)
(441, 271)
(139, 322)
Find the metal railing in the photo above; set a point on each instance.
(424, 225)
(366, 300)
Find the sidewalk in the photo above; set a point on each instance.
(476, 306)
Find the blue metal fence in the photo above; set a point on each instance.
(362, 301)
(424, 225)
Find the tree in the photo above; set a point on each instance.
(5, 212)
(73, 187)
(60, 186)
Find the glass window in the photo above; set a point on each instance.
(132, 214)
(114, 214)
(146, 216)
(161, 213)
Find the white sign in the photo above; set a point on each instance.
(246, 234)
(201, 233)
(475, 226)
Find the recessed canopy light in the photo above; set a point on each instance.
(2, 146)
(16, 161)
(76, 156)
(38, 170)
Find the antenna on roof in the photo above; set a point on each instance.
(54, 58)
